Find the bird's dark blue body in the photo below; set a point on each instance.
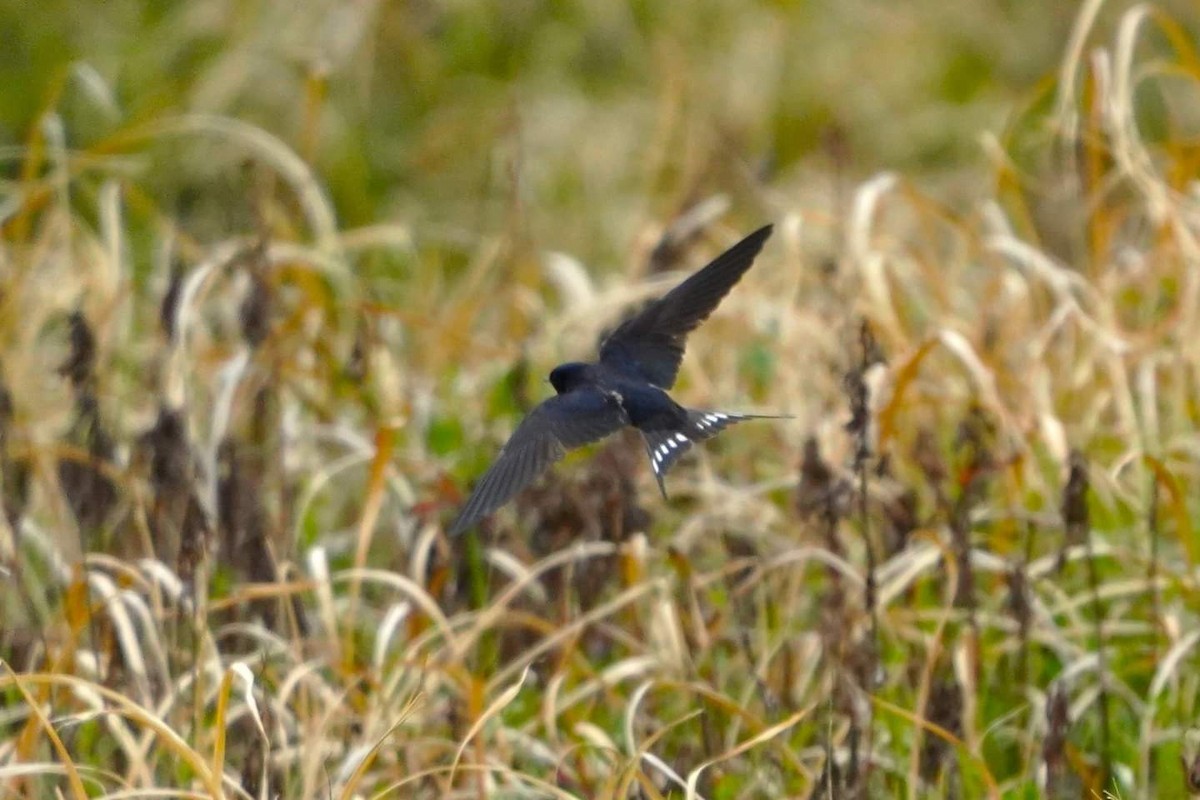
(647, 406)
(626, 386)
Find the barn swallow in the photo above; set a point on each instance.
(627, 386)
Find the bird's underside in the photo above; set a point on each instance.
(627, 386)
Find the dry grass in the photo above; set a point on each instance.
(967, 568)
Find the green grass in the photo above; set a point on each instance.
(323, 258)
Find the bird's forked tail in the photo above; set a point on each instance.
(667, 445)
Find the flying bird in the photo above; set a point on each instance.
(628, 385)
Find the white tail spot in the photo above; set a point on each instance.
(679, 437)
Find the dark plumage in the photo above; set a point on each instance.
(626, 386)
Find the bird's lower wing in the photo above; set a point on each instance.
(560, 423)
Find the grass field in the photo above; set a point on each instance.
(277, 280)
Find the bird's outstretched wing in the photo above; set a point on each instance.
(650, 344)
(555, 426)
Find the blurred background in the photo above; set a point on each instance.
(576, 123)
(278, 278)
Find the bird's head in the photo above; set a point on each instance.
(566, 377)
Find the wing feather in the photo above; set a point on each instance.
(651, 343)
(558, 424)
